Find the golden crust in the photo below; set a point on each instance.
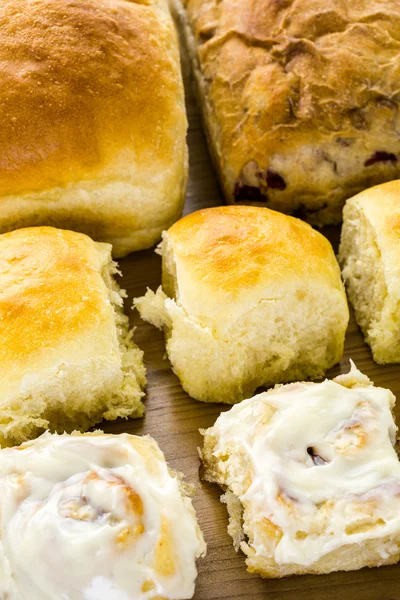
(250, 297)
(67, 356)
(227, 257)
(53, 302)
(79, 81)
(90, 92)
(299, 98)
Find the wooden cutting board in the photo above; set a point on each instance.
(173, 419)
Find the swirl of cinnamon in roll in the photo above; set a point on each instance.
(94, 517)
(312, 476)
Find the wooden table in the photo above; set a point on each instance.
(173, 419)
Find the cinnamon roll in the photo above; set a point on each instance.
(94, 517)
(311, 475)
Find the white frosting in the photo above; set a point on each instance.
(355, 470)
(82, 517)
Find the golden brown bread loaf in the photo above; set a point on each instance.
(369, 254)
(299, 97)
(92, 119)
(249, 297)
(67, 359)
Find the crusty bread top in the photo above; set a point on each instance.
(229, 258)
(317, 75)
(88, 89)
(54, 305)
(380, 205)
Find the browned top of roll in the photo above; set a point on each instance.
(86, 86)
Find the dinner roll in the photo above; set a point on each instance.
(67, 359)
(370, 258)
(94, 517)
(92, 119)
(312, 477)
(249, 297)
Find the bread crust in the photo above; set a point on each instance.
(92, 115)
(381, 207)
(299, 98)
(229, 258)
(369, 254)
(67, 359)
(250, 297)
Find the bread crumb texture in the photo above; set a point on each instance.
(369, 254)
(67, 357)
(249, 297)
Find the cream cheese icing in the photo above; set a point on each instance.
(94, 517)
(317, 461)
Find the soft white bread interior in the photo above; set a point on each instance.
(67, 359)
(94, 517)
(369, 254)
(92, 119)
(249, 297)
(311, 476)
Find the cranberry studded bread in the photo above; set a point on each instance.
(92, 119)
(299, 98)
(249, 297)
(311, 476)
(67, 359)
(95, 517)
(370, 257)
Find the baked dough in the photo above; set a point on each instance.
(67, 359)
(370, 257)
(312, 477)
(249, 297)
(94, 517)
(299, 98)
(92, 119)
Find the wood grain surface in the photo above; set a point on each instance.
(173, 419)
